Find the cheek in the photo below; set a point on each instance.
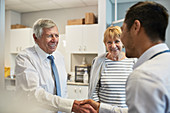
(120, 45)
(47, 41)
(107, 48)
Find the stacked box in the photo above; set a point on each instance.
(17, 26)
(89, 18)
(75, 22)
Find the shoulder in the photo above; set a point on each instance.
(102, 56)
(133, 60)
(26, 57)
(28, 52)
(99, 58)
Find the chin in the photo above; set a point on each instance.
(51, 51)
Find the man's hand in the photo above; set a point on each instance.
(93, 103)
(82, 108)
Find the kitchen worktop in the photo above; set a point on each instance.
(77, 83)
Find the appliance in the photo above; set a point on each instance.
(80, 71)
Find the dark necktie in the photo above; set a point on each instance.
(56, 76)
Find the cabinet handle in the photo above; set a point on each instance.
(79, 48)
(75, 90)
(84, 48)
(80, 90)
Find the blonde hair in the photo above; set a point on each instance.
(112, 32)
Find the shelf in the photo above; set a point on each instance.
(76, 59)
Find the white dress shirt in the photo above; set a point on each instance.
(148, 86)
(35, 82)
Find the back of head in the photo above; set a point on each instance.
(40, 24)
(152, 16)
(111, 32)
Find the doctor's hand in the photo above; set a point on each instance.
(93, 103)
(82, 108)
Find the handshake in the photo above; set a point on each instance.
(85, 106)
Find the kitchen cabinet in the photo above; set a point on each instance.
(82, 38)
(78, 92)
(81, 42)
(20, 39)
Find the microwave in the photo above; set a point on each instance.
(80, 71)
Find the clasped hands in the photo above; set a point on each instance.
(85, 106)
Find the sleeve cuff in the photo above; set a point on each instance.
(105, 108)
(66, 105)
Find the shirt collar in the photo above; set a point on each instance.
(42, 54)
(149, 53)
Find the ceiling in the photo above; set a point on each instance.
(23, 6)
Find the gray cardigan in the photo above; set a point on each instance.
(97, 65)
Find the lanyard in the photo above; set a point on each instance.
(160, 53)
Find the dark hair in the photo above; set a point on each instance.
(153, 18)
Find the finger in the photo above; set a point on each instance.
(92, 110)
(87, 108)
(84, 102)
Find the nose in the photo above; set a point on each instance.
(113, 45)
(54, 38)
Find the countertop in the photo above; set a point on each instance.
(68, 83)
(77, 83)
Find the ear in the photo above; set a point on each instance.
(136, 26)
(35, 38)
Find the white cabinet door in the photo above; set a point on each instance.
(74, 38)
(90, 38)
(20, 39)
(82, 38)
(77, 92)
(82, 92)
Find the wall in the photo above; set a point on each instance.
(60, 16)
(166, 3)
(102, 9)
(2, 40)
(123, 7)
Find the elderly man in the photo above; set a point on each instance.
(41, 76)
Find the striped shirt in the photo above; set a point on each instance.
(111, 86)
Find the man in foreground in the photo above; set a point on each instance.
(148, 86)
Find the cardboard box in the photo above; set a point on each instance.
(75, 21)
(89, 18)
(17, 26)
